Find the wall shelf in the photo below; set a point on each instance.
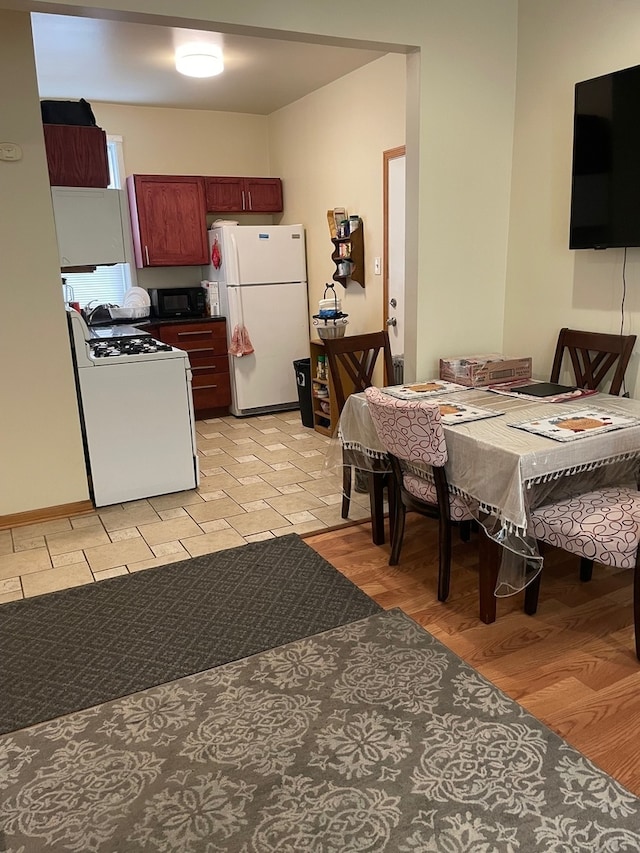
(349, 250)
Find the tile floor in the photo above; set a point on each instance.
(260, 477)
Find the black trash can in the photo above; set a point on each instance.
(302, 367)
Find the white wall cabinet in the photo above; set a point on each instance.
(89, 225)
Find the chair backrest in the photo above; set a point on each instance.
(593, 355)
(410, 430)
(352, 360)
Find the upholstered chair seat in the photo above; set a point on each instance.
(426, 491)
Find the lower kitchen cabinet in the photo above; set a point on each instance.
(206, 343)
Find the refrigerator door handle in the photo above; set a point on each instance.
(243, 204)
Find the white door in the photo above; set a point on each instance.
(394, 219)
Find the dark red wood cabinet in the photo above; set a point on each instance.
(168, 220)
(243, 195)
(76, 155)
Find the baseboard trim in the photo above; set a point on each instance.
(49, 513)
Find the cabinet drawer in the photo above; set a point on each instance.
(214, 395)
(209, 368)
(208, 338)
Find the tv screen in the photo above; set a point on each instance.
(605, 190)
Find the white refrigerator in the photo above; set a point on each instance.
(262, 283)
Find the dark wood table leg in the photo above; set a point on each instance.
(490, 554)
(376, 489)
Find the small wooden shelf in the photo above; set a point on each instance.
(349, 250)
(323, 422)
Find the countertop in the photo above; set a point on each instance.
(151, 321)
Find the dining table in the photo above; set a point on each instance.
(509, 453)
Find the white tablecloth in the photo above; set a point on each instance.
(509, 471)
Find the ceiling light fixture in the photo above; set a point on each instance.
(199, 60)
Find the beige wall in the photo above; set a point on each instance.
(549, 286)
(41, 461)
(328, 148)
(460, 114)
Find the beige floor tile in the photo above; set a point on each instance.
(285, 478)
(155, 562)
(6, 542)
(214, 445)
(210, 464)
(24, 562)
(315, 463)
(257, 522)
(6, 597)
(128, 515)
(260, 537)
(330, 500)
(115, 572)
(291, 488)
(176, 512)
(52, 580)
(208, 543)
(119, 553)
(166, 548)
(300, 529)
(80, 521)
(215, 482)
(175, 499)
(247, 469)
(58, 525)
(328, 485)
(247, 481)
(30, 544)
(76, 540)
(212, 510)
(68, 559)
(253, 492)
(10, 585)
(285, 504)
(274, 457)
(170, 531)
(330, 515)
(253, 506)
(300, 517)
(125, 533)
(216, 524)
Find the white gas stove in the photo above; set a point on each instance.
(136, 406)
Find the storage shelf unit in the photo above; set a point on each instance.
(323, 421)
(349, 250)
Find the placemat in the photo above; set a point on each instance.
(571, 426)
(457, 413)
(420, 390)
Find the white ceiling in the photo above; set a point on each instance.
(130, 63)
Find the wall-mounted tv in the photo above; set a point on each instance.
(605, 191)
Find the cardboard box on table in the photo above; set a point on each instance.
(477, 370)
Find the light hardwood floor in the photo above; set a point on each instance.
(572, 665)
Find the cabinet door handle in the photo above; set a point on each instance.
(243, 205)
(250, 204)
(204, 387)
(204, 367)
(200, 332)
(146, 252)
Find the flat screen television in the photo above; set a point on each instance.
(605, 190)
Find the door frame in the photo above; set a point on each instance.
(391, 154)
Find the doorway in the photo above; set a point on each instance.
(394, 194)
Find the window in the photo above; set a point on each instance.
(106, 284)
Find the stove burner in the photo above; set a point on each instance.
(127, 346)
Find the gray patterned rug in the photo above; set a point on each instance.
(369, 737)
(77, 648)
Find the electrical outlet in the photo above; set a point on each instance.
(377, 266)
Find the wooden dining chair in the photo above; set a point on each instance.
(593, 356)
(352, 361)
(411, 432)
(601, 526)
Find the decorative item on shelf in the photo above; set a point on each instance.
(330, 321)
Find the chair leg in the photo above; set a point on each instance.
(586, 569)
(376, 502)
(398, 532)
(465, 531)
(531, 593)
(444, 559)
(390, 483)
(346, 490)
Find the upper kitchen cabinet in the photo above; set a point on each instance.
(168, 220)
(244, 195)
(76, 155)
(89, 225)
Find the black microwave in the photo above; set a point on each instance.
(178, 302)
